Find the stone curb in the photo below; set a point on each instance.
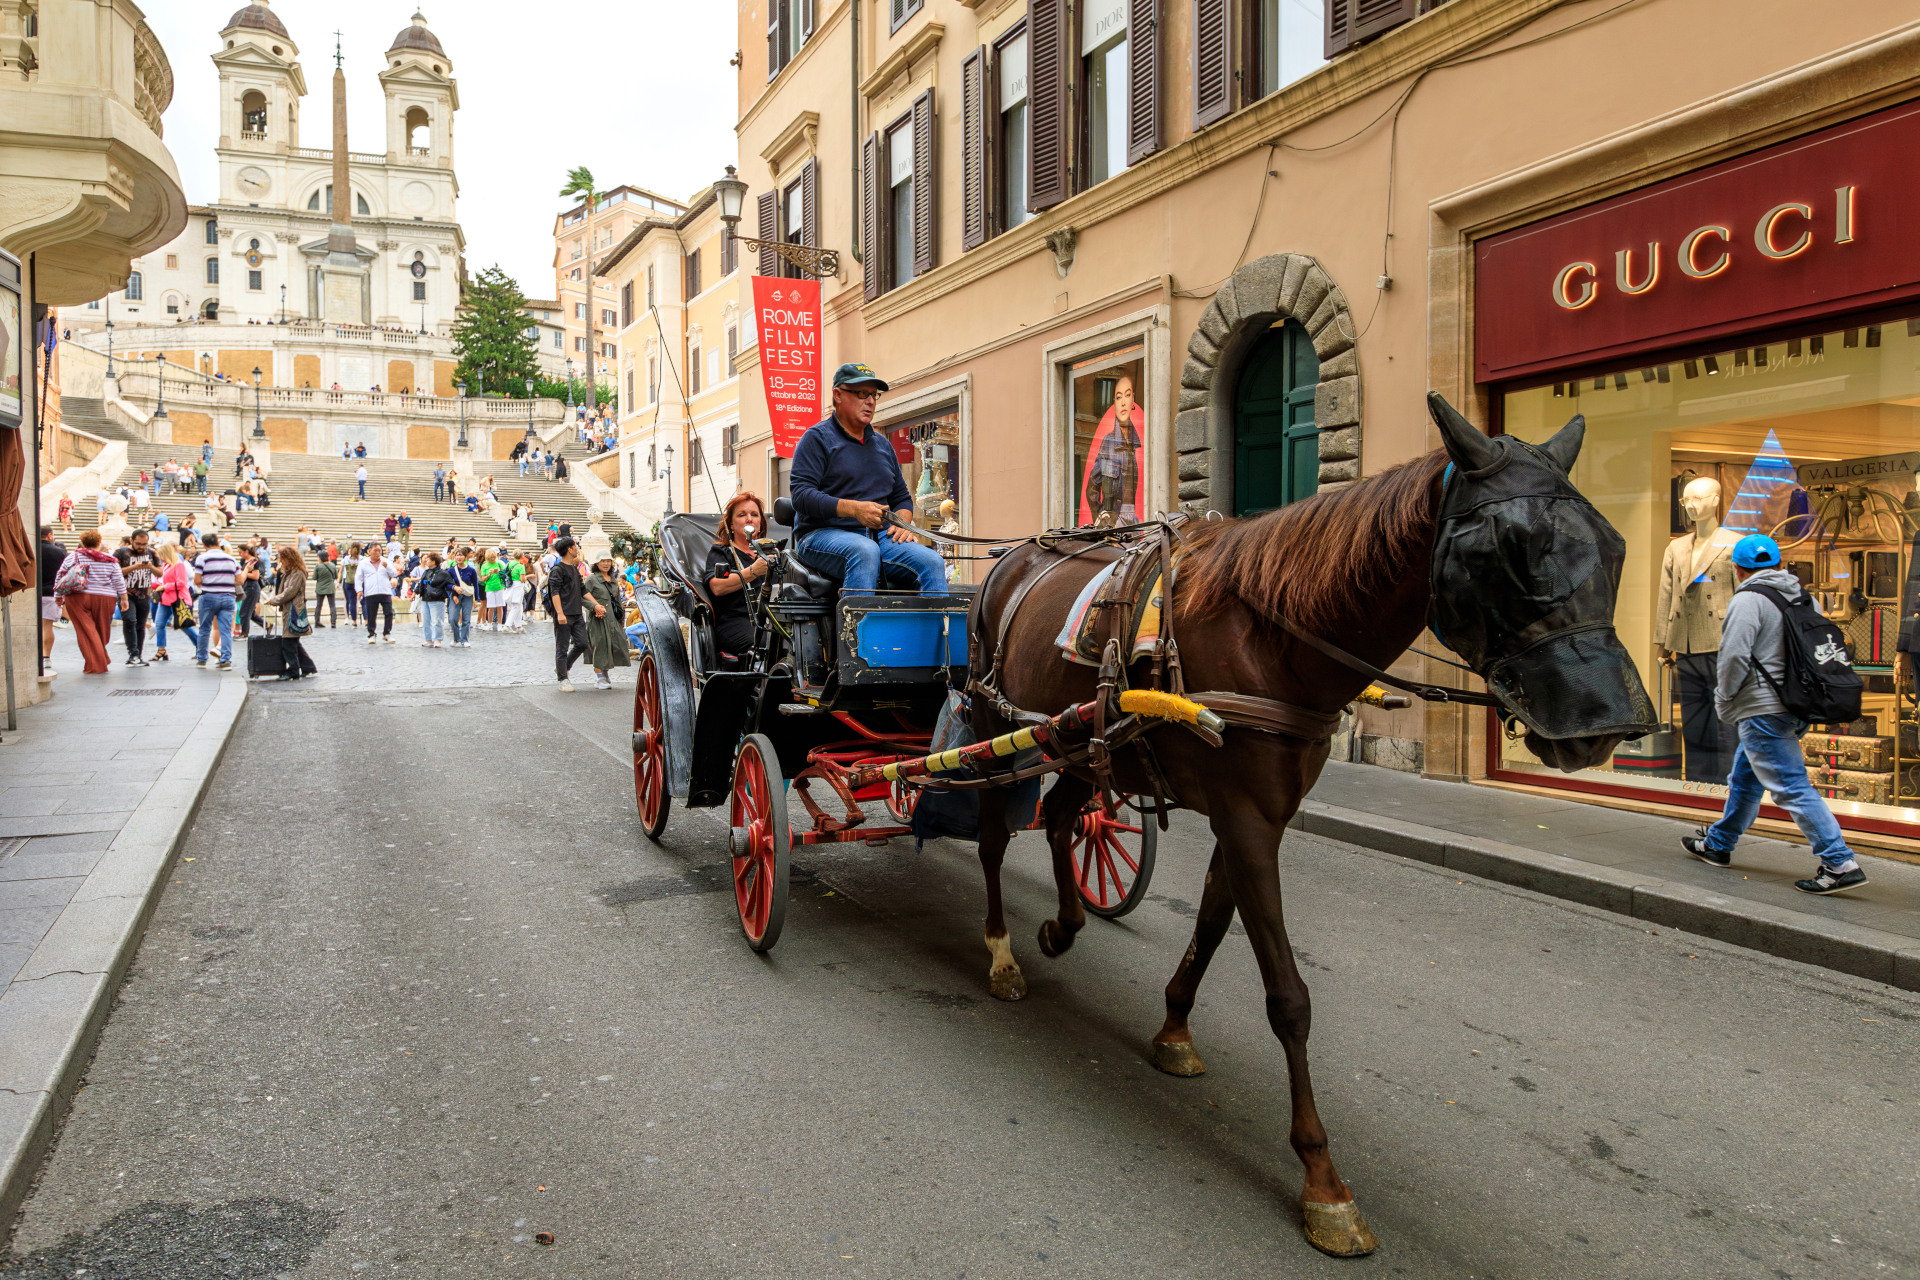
(1792, 935)
(54, 1010)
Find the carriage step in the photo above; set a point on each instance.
(798, 709)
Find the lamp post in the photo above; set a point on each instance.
(283, 302)
(110, 372)
(423, 316)
(531, 433)
(259, 432)
(731, 193)
(461, 388)
(669, 479)
(570, 413)
(160, 383)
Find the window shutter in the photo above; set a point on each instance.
(1371, 17)
(926, 241)
(776, 37)
(810, 203)
(973, 149)
(807, 14)
(873, 265)
(626, 304)
(1143, 79)
(1212, 67)
(726, 445)
(769, 232)
(1050, 103)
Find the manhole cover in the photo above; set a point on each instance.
(143, 693)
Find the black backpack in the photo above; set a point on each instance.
(1821, 686)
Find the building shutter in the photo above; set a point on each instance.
(729, 251)
(776, 37)
(726, 445)
(926, 240)
(1212, 66)
(807, 15)
(1371, 17)
(1050, 103)
(769, 232)
(626, 305)
(1339, 33)
(873, 265)
(973, 149)
(1143, 79)
(810, 203)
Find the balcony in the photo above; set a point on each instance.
(248, 135)
(420, 153)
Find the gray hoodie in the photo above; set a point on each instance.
(1753, 633)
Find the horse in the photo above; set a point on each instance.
(1486, 540)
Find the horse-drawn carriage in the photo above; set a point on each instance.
(835, 688)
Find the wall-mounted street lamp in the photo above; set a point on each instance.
(815, 261)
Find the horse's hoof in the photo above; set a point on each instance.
(1178, 1058)
(1337, 1229)
(1011, 985)
(1054, 940)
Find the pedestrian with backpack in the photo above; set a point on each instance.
(1783, 665)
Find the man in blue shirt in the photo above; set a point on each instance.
(845, 482)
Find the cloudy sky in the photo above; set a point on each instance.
(637, 90)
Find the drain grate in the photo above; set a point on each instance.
(143, 693)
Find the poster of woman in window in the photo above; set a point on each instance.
(1110, 444)
(10, 356)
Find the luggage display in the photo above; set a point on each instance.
(1848, 784)
(1658, 754)
(1844, 751)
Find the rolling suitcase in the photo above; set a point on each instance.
(265, 656)
(1658, 754)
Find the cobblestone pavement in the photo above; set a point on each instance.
(349, 664)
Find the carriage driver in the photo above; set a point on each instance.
(845, 479)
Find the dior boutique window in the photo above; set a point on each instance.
(1110, 438)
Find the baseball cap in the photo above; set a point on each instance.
(1756, 551)
(848, 374)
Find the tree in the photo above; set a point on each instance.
(492, 339)
(580, 187)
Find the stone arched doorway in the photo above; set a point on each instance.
(1265, 292)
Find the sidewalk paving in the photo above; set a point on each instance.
(97, 788)
(1631, 863)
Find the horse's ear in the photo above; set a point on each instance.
(1564, 448)
(1466, 445)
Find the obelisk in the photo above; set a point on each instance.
(345, 296)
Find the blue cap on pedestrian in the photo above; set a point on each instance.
(1757, 551)
(855, 374)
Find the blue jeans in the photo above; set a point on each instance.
(1769, 759)
(637, 636)
(162, 614)
(855, 559)
(216, 610)
(200, 484)
(439, 490)
(433, 620)
(363, 489)
(460, 613)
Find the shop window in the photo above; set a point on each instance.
(1109, 438)
(1809, 439)
(928, 447)
(1276, 451)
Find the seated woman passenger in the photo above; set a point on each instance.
(732, 564)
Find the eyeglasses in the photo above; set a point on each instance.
(869, 396)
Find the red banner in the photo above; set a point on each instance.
(787, 315)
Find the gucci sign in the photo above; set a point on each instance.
(1785, 231)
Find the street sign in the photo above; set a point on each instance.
(787, 315)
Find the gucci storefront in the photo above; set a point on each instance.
(1744, 343)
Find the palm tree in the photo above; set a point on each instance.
(580, 187)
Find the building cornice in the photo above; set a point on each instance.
(900, 61)
(805, 129)
(1433, 38)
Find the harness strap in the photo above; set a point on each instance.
(1425, 692)
(1270, 716)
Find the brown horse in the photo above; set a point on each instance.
(1351, 567)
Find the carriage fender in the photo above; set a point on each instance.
(676, 687)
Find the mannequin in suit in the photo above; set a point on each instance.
(1696, 584)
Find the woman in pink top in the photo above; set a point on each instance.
(90, 608)
(175, 587)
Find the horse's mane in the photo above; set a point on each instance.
(1300, 562)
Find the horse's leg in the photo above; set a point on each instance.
(1062, 806)
(1173, 1050)
(1004, 979)
(1250, 843)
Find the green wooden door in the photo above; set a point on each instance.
(1276, 452)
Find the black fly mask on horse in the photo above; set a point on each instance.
(1525, 574)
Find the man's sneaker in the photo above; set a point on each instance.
(371, 640)
(1830, 881)
(223, 666)
(388, 639)
(1696, 844)
(200, 662)
(566, 686)
(601, 682)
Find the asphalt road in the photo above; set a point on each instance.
(422, 991)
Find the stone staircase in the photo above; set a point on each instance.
(91, 417)
(319, 492)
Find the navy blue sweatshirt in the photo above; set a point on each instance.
(829, 466)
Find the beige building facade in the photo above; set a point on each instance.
(581, 237)
(1242, 246)
(678, 313)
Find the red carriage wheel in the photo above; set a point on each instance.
(1112, 858)
(650, 751)
(900, 801)
(762, 842)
